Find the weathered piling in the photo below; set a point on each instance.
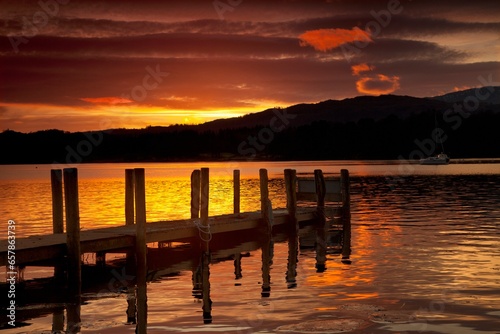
(100, 259)
(56, 178)
(129, 214)
(141, 249)
(129, 197)
(321, 227)
(73, 232)
(131, 306)
(73, 311)
(236, 191)
(195, 194)
(291, 205)
(236, 210)
(204, 203)
(57, 201)
(58, 319)
(346, 215)
(267, 218)
(206, 236)
(291, 196)
(265, 203)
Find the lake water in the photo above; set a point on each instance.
(425, 247)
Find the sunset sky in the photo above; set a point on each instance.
(93, 65)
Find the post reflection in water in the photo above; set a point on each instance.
(267, 261)
(207, 302)
(293, 251)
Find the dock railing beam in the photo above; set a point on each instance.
(141, 249)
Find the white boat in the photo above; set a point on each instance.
(440, 159)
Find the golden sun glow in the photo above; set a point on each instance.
(108, 113)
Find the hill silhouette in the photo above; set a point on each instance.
(364, 127)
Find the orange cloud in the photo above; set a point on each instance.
(380, 84)
(328, 39)
(357, 69)
(106, 100)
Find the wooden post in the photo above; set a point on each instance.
(73, 232)
(129, 215)
(236, 190)
(321, 227)
(204, 203)
(291, 205)
(129, 197)
(206, 236)
(57, 201)
(131, 306)
(58, 319)
(267, 218)
(291, 196)
(73, 312)
(266, 208)
(236, 206)
(195, 194)
(346, 215)
(141, 249)
(100, 259)
(195, 214)
(56, 178)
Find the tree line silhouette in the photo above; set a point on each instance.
(391, 137)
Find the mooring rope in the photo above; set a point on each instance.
(203, 230)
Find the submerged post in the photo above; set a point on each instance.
(267, 247)
(141, 249)
(73, 232)
(319, 180)
(346, 215)
(204, 203)
(195, 194)
(206, 236)
(236, 191)
(291, 205)
(291, 196)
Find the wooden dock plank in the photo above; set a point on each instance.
(46, 247)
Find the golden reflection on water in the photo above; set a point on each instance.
(102, 201)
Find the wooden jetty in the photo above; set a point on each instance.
(133, 237)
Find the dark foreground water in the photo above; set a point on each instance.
(425, 259)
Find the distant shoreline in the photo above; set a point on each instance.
(349, 161)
